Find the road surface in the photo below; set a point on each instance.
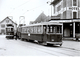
(9, 47)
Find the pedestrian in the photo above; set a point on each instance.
(16, 36)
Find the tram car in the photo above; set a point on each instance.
(10, 31)
(45, 33)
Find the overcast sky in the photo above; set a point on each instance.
(30, 9)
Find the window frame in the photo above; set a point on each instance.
(2, 25)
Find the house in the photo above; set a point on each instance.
(4, 25)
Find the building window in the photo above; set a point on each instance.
(7, 21)
(74, 15)
(74, 3)
(8, 29)
(2, 31)
(3, 25)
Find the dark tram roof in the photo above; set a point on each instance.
(44, 23)
(55, 2)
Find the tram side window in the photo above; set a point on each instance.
(31, 29)
(53, 29)
(38, 29)
(47, 29)
(35, 29)
(24, 30)
(27, 30)
(44, 29)
(58, 29)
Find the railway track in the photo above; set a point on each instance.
(53, 50)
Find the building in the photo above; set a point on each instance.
(68, 13)
(41, 18)
(6, 24)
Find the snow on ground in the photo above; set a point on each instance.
(11, 47)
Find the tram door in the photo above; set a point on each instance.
(44, 33)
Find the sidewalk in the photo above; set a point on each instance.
(75, 45)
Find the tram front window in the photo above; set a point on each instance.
(53, 29)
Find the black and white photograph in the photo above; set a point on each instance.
(40, 28)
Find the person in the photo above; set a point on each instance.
(15, 36)
(76, 39)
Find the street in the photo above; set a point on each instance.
(12, 47)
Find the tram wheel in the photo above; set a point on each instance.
(60, 44)
(44, 43)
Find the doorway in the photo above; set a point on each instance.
(68, 30)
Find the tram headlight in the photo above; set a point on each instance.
(52, 39)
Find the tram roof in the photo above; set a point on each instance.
(44, 23)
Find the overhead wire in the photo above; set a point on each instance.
(29, 9)
(20, 6)
(23, 4)
(35, 8)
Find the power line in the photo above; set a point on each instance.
(22, 4)
(29, 9)
(19, 6)
(35, 8)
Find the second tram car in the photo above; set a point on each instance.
(10, 31)
(46, 33)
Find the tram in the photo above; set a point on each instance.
(10, 31)
(45, 33)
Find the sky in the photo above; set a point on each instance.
(28, 9)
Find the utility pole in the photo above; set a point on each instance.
(51, 5)
(51, 9)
